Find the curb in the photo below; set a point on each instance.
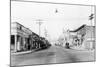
(24, 52)
(82, 49)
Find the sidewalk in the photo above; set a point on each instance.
(23, 52)
(81, 49)
(77, 48)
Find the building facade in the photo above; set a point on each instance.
(20, 40)
(84, 37)
(23, 39)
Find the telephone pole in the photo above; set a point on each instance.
(45, 33)
(91, 18)
(39, 22)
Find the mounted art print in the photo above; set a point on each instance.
(51, 33)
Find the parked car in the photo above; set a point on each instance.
(67, 45)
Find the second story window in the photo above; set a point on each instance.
(20, 28)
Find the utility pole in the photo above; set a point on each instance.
(91, 18)
(39, 22)
(45, 33)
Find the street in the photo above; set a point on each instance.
(54, 54)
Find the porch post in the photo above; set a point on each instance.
(15, 49)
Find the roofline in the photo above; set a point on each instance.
(79, 28)
(21, 25)
(25, 27)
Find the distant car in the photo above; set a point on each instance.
(67, 45)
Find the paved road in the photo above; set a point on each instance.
(55, 54)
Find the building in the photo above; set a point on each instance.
(20, 40)
(23, 39)
(83, 37)
(35, 39)
(89, 38)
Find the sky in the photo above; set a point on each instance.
(68, 16)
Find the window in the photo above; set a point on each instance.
(20, 28)
(12, 40)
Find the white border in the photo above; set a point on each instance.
(5, 35)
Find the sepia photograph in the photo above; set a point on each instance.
(44, 33)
